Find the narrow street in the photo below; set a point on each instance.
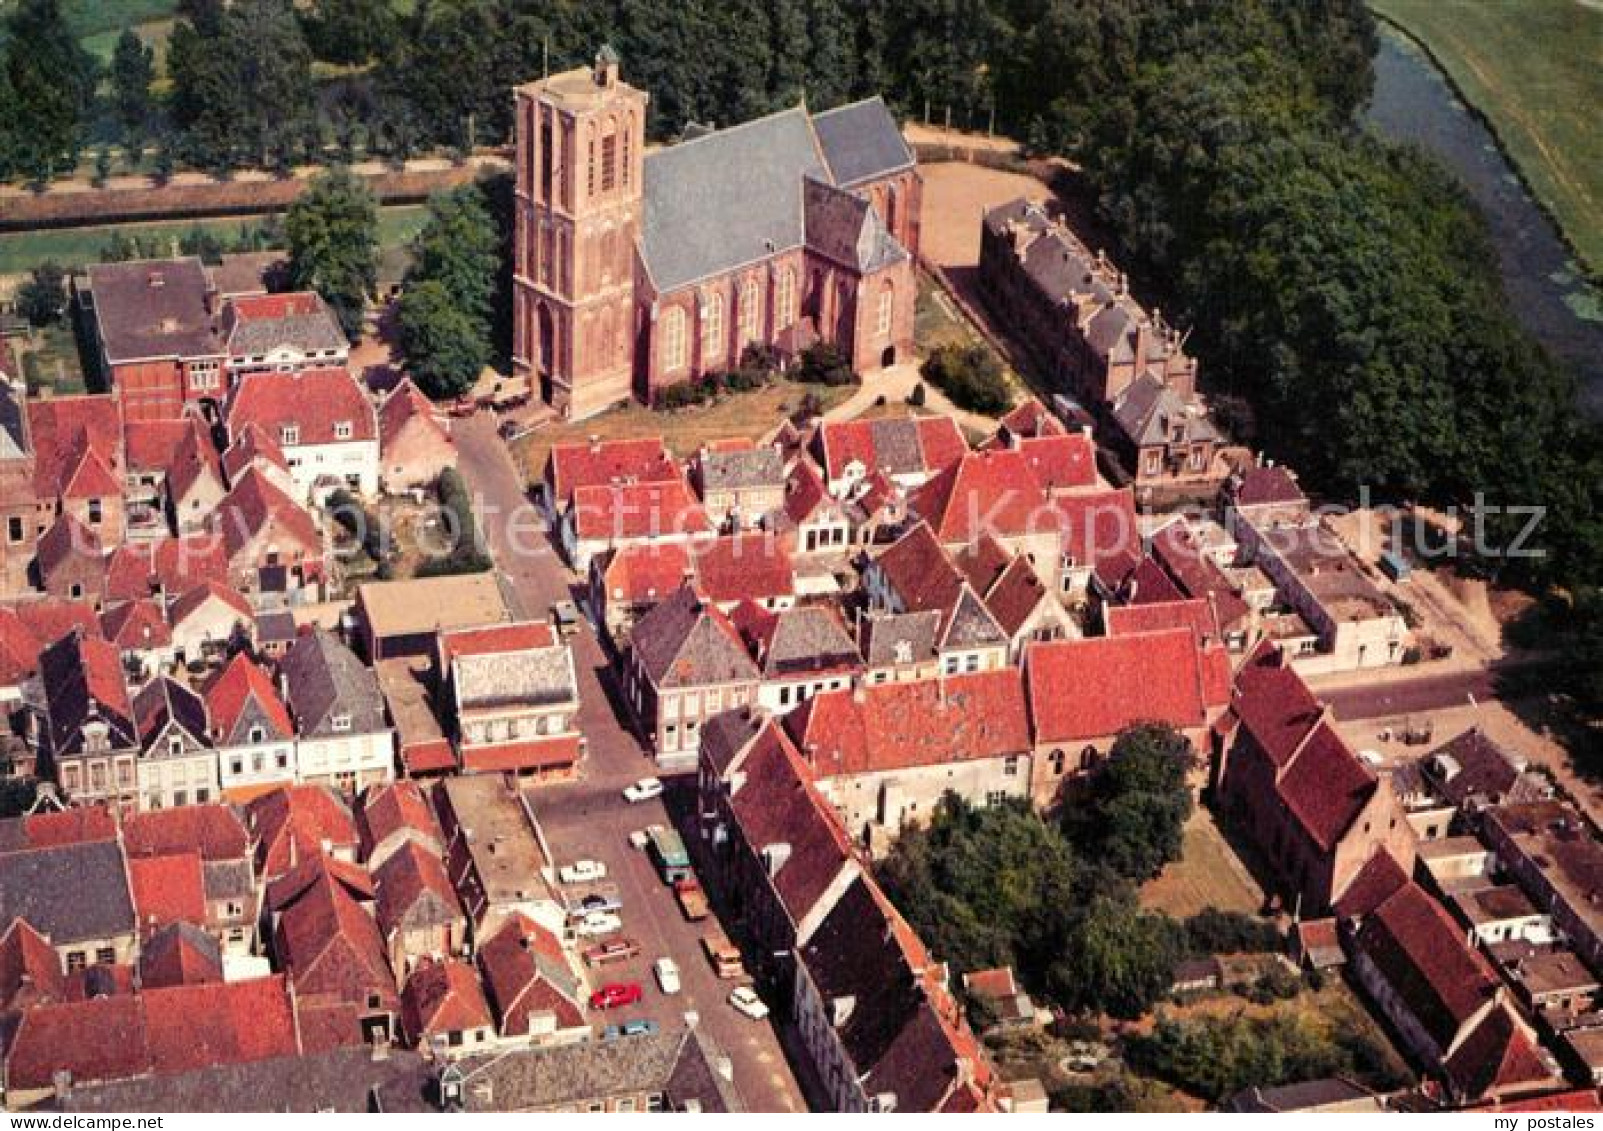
(589, 818)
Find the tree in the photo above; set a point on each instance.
(1116, 958)
(443, 346)
(51, 82)
(332, 229)
(43, 296)
(1139, 801)
(459, 248)
(350, 31)
(133, 69)
(970, 375)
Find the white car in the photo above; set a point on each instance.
(582, 872)
(639, 839)
(667, 971)
(745, 999)
(597, 923)
(643, 790)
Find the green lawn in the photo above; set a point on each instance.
(1535, 70)
(76, 246)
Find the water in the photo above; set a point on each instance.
(1414, 103)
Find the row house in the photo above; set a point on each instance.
(1439, 995)
(885, 755)
(177, 764)
(1313, 807)
(393, 815)
(916, 575)
(343, 738)
(741, 484)
(206, 621)
(322, 421)
(1163, 436)
(1084, 693)
(602, 463)
(89, 739)
(513, 699)
(251, 730)
(899, 646)
(443, 1010)
(1075, 307)
(536, 997)
(910, 450)
(97, 926)
(417, 910)
(1549, 849)
(275, 549)
(613, 516)
(800, 652)
(280, 333)
(870, 1008)
(217, 835)
(686, 664)
(294, 823)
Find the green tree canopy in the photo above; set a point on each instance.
(133, 69)
(50, 85)
(332, 229)
(444, 346)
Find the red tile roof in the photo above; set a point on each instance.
(1326, 786)
(1420, 951)
(896, 726)
(526, 975)
(637, 511)
(749, 566)
(1274, 704)
(1376, 882)
(1061, 462)
(28, 627)
(1015, 596)
(135, 625)
(67, 539)
(77, 445)
(305, 815)
(140, 569)
(1193, 613)
(938, 441)
(1082, 690)
(572, 466)
(87, 825)
(30, 968)
(194, 458)
(152, 445)
(214, 831)
(532, 754)
(995, 491)
(408, 876)
(1149, 584)
(167, 889)
(1498, 1056)
(645, 571)
(241, 683)
(1197, 574)
(392, 808)
(917, 567)
(252, 444)
(1267, 485)
(1031, 418)
(805, 491)
(404, 406)
(496, 639)
(778, 805)
(315, 401)
(193, 599)
(440, 998)
(1099, 529)
(255, 505)
(351, 879)
(330, 945)
(179, 955)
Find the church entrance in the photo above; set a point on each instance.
(888, 358)
(547, 359)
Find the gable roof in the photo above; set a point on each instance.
(600, 462)
(251, 444)
(324, 679)
(302, 816)
(253, 506)
(180, 954)
(1376, 882)
(32, 883)
(1498, 1056)
(443, 997)
(791, 642)
(687, 642)
(314, 401)
(749, 565)
(167, 889)
(726, 198)
(396, 807)
(844, 227)
(330, 945)
(414, 891)
(526, 973)
(165, 702)
(255, 325)
(216, 832)
(83, 680)
(645, 571)
(77, 445)
(241, 686)
(897, 726)
(406, 407)
(30, 968)
(861, 142)
(136, 625)
(193, 459)
(170, 565)
(1148, 410)
(152, 445)
(730, 469)
(898, 638)
(619, 511)
(1093, 688)
(898, 445)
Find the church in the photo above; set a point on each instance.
(636, 271)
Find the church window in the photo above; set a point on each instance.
(547, 160)
(628, 130)
(887, 303)
(785, 299)
(712, 327)
(751, 312)
(609, 162)
(673, 339)
(590, 172)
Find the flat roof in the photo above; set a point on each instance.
(1450, 846)
(432, 604)
(404, 685)
(500, 836)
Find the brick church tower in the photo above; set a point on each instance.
(580, 173)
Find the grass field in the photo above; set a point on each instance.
(1535, 70)
(1206, 875)
(21, 251)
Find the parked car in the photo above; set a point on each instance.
(639, 1027)
(565, 615)
(597, 923)
(667, 971)
(639, 839)
(582, 872)
(613, 950)
(745, 999)
(723, 955)
(692, 899)
(614, 994)
(643, 790)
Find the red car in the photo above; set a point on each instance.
(614, 994)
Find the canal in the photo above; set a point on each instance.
(1546, 291)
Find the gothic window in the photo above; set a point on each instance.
(547, 160)
(609, 162)
(673, 339)
(887, 304)
(628, 131)
(712, 327)
(590, 171)
(785, 299)
(890, 209)
(751, 312)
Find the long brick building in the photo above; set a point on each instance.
(638, 271)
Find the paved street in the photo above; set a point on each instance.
(1414, 696)
(590, 819)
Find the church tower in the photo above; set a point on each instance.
(580, 167)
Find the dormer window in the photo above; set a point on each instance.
(342, 430)
(340, 722)
(175, 745)
(257, 734)
(290, 434)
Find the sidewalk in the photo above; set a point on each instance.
(894, 384)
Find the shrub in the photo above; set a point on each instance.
(1212, 931)
(970, 375)
(824, 363)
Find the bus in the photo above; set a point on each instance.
(667, 853)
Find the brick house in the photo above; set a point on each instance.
(417, 909)
(250, 728)
(512, 699)
(531, 985)
(597, 463)
(323, 423)
(911, 450)
(740, 484)
(274, 548)
(1313, 807)
(19, 509)
(686, 664)
(636, 271)
(90, 740)
(415, 442)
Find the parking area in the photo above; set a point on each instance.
(590, 819)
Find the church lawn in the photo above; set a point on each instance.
(1208, 874)
(1532, 69)
(748, 415)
